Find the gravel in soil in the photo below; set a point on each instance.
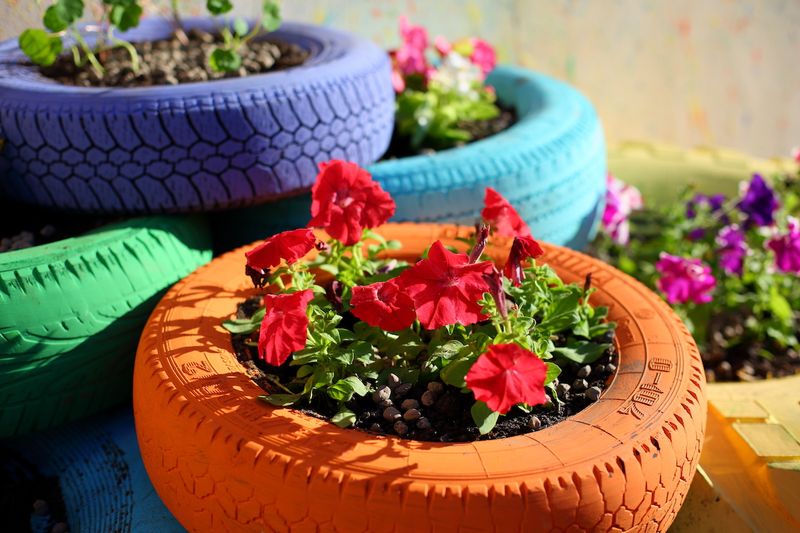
(730, 356)
(479, 129)
(25, 226)
(170, 62)
(29, 501)
(435, 411)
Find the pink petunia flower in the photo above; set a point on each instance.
(621, 201)
(787, 248)
(684, 280)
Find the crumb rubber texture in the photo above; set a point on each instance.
(223, 461)
(198, 146)
(71, 313)
(551, 165)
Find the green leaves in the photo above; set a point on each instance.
(344, 418)
(281, 400)
(270, 15)
(62, 13)
(344, 389)
(483, 417)
(124, 14)
(581, 352)
(223, 60)
(434, 117)
(219, 7)
(41, 47)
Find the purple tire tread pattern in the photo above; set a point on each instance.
(195, 147)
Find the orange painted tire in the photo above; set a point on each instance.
(223, 461)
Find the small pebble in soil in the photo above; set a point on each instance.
(400, 427)
(402, 389)
(579, 385)
(385, 403)
(411, 415)
(376, 428)
(410, 403)
(423, 423)
(611, 368)
(391, 413)
(562, 389)
(428, 398)
(392, 380)
(593, 393)
(382, 394)
(534, 423)
(584, 371)
(435, 387)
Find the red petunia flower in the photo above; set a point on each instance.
(383, 305)
(345, 201)
(504, 219)
(288, 246)
(507, 375)
(285, 326)
(446, 288)
(522, 249)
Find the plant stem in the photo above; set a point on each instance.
(177, 24)
(131, 51)
(98, 68)
(277, 383)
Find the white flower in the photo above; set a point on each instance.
(457, 73)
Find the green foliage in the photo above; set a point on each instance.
(219, 7)
(434, 118)
(226, 58)
(61, 17)
(124, 14)
(341, 363)
(41, 47)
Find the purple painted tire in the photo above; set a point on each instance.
(198, 146)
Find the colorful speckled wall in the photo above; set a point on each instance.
(721, 72)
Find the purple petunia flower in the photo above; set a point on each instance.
(787, 248)
(621, 200)
(759, 202)
(732, 249)
(684, 280)
(714, 203)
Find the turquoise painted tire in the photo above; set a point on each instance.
(71, 313)
(100, 475)
(551, 165)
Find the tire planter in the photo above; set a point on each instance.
(101, 476)
(662, 171)
(551, 165)
(197, 146)
(751, 459)
(71, 313)
(223, 461)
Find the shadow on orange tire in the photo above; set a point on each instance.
(223, 461)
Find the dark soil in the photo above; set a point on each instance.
(169, 62)
(434, 411)
(479, 129)
(728, 357)
(25, 226)
(29, 501)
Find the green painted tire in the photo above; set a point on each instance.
(71, 313)
(662, 171)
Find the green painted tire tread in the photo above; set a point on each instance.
(71, 313)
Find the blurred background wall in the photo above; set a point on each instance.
(721, 72)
